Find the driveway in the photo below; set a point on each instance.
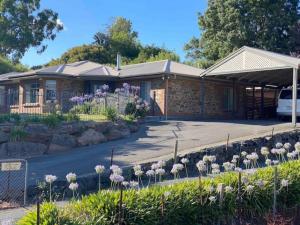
(153, 141)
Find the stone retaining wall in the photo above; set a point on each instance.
(40, 139)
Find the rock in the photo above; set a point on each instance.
(104, 127)
(61, 142)
(133, 128)
(38, 133)
(71, 128)
(6, 127)
(4, 137)
(91, 137)
(23, 149)
(115, 134)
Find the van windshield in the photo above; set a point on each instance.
(288, 94)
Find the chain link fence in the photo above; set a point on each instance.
(13, 185)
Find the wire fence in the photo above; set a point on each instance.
(13, 185)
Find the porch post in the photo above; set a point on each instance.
(262, 102)
(294, 104)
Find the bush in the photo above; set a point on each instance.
(186, 202)
(52, 120)
(71, 117)
(110, 113)
(17, 134)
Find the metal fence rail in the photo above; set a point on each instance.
(13, 185)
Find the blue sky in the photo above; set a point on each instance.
(169, 23)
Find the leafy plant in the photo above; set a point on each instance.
(52, 120)
(17, 134)
(71, 117)
(111, 113)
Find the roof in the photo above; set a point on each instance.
(255, 66)
(247, 59)
(6, 76)
(159, 67)
(90, 69)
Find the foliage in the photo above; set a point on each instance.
(119, 37)
(111, 113)
(23, 25)
(7, 66)
(138, 108)
(17, 134)
(52, 120)
(129, 118)
(186, 202)
(13, 117)
(230, 24)
(69, 117)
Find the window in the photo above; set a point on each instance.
(50, 90)
(2, 95)
(228, 99)
(13, 96)
(288, 94)
(32, 92)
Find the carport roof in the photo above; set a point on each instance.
(255, 66)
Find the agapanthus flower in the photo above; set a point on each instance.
(137, 167)
(279, 145)
(116, 178)
(201, 166)
(244, 153)
(268, 162)
(235, 157)
(287, 146)
(275, 162)
(212, 158)
(228, 166)
(249, 188)
(50, 178)
(133, 184)
(264, 151)
(245, 180)
(161, 163)
(297, 147)
(212, 199)
(150, 173)
(260, 183)
(160, 171)
(284, 183)
(138, 173)
(116, 169)
(125, 183)
(154, 166)
(185, 160)
(99, 169)
(205, 158)
(73, 186)
(71, 177)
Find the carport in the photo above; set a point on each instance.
(260, 68)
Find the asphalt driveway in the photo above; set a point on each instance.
(154, 140)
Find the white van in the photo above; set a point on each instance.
(284, 107)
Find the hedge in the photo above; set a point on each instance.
(181, 203)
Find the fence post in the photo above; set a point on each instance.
(227, 142)
(25, 183)
(120, 222)
(275, 191)
(175, 151)
(239, 205)
(112, 156)
(38, 210)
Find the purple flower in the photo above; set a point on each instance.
(126, 86)
(105, 87)
(117, 90)
(77, 99)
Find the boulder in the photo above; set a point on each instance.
(61, 142)
(6, 127)
(104, 126)
(114, 134)
(4, 137)
(71, 128)
(38, 133)
(133, 127)
(91, 137)
(23, 149)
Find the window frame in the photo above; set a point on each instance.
(228, 105)
(52, 87)
(31, 92)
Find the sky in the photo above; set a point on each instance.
(167, 23)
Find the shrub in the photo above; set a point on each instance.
(52, 120)
(187, 202)
(17, 134)
(111, 113)
(71, 117)
(138, 108)
(13, 117)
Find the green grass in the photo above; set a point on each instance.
(186, 203)
(96, 118)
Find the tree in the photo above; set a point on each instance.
(24, 25)
(7, 66)
(229, 24)
(119, 38)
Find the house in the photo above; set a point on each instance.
(173, 89)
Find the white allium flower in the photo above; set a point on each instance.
(274, 151)
(264, 151)
(73, 186)
(234, 161)
(249, 188)
(154, 166)
(116, 178)
(212, 158)
(113, 167)
(297, 147)
(185, 160)
(201, 166)
(228, 166)
(268, 162)
(253, 156)
(215, 166)
(212, 199)
(205, 158)
(211, 188)
(228, 189)
(275, 162)
(50, 178)
(161, 163)
(287, 146)
(138, 173)
(281, 151)
(137, 167)
(215, 171)
(290, 155)
(251, 171)
(99, 169)
(71, 177)
(125, 183)
(178, 166)
(284, 183)
(150, 173)
(133, 184)
(244, 153)
(160, 171)
(279, 145)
